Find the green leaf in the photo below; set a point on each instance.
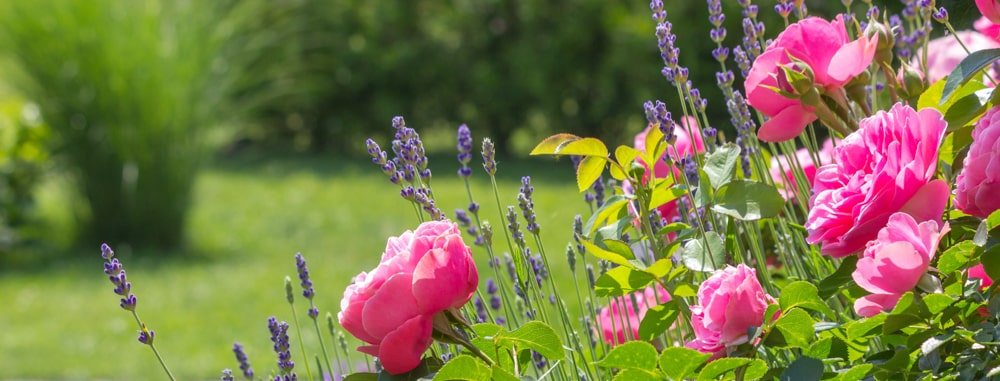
(805, 295)
(863, 329)
(796, 326)
(836, 281)
(748, 200)
(966, 70)
(856, 373)
(664, 192)
(803, 369)
(680, 363)
(722, 366)
(956, 257)
(638, 375)
(631, 355)
(820, 349)
(466, 368)
(499, 374)
(537, 336)
(993, 220)
(588, 171)
(613, 209)
(607, 255)
(625, 155)
(621, 281)
(896, 322)
(424, 371)
(721, 164)
(969, 107)
(655, 145)
(698, 256)
(953, 145)
(658, 319)
(589, 147)
(487, 329)
(619, 247)
(660, 268)
(685, 290)
(552, 144)
(937, 302)
(991, 262)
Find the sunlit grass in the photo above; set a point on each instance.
(251, 215)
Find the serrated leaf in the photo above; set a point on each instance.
(552, 144)
(836, 281)
(862, 329)
(638, 375)
(956, 257)
(621, 281)
(966, 70)
(589, 147)
(933, 343)
(606, 255)
(705, 254)
(720, 165)
(664, 192)
(589, 170)
(820, 349)
(991, 262)
(658, 319)
(613, 207)
(680, 363)
(719, 367)
(803, 369)
(465, 368)
(631, 355)
(937, 302)
(625, 155)
(805, 295)
(499, 374)
(619, 247)
(748, 200)
(796, 326)
(537, 336)
(856, 373)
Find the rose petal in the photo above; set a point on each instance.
(871, 305)
(391, 305)
(402, 348)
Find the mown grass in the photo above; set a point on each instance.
(251, 215)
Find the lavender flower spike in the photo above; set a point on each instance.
(241, 357)
(489, 157)
(279, 336)
(116, 274)
(307, 286)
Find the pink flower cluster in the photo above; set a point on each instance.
(421, 274)
(729, 303)
(887, 166)
(619, 321)
(832, 61)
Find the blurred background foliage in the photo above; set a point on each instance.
(137, 95)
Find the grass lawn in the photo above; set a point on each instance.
(251, 214)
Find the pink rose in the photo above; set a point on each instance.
(990, 9)
(944, 53)
(620, 317)
(887, 166)
(978, 185)
(987, 27)
(833, 60)
(894, 263)
(682, 147)
(978, 272)
(422, 273)
(729, 302)
(784, 177)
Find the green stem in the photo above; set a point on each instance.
(302, 346)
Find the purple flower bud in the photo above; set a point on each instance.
(241, 357)
(146, 336)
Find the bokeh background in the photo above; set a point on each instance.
(209, 141)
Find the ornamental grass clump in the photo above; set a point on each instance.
(842, 234)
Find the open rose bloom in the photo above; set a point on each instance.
(832, 60)
(729, 303)
(422, 273)
(885, 167)
(977, 188)
(894, 263)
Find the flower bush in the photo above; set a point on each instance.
(885, 233)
